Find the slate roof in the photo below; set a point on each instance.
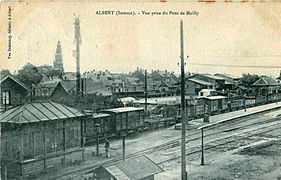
(69, 85)
(136, 168)
(38, 112)
(98, 87)
(91, 86)
(265, 81)
(51, 85)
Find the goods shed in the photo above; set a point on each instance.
(39, 137)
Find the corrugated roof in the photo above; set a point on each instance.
(37, 112)
(138, 168)
(123, 109)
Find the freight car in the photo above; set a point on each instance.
(126, 119)
(105, 126)
(215, 104)
(219, 104)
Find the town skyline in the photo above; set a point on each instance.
(121, 43)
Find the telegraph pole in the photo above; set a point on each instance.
(183, 118)
(145, 89)
(77, 41)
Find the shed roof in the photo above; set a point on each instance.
(100, 115)
(212, 76)
(136, 168)
(122, 109)
(214, 97)
(265, 81)
(198, 81)
(16, 81)
(37, 112)
(227, 76)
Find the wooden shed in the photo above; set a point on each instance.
(140, 168)
(39, 137)
(126, 118)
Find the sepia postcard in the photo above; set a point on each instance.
(124, 90)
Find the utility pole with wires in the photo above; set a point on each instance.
(145, 89)
(183, 117)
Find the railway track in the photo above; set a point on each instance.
(176, 143)
(212, 145)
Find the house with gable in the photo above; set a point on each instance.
(265, 85)
(13, 92)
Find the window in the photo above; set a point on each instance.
(45, 92)
(6, 97)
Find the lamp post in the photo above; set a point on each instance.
(97, 127)
(244, 102)
(202, 148)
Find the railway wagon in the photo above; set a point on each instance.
(194, 111)
(215, 104)
(237, 104)
(126, 118)
(274, 97)
(91, 130)
(261, 99)
(250, 101)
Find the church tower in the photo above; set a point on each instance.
(58, 64)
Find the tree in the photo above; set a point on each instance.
(4, 73)
(29, 75)
(248, 79)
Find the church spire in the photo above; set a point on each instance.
(58, 63)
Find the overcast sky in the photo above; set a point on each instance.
(239, 34)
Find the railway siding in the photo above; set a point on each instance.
(87, 166)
